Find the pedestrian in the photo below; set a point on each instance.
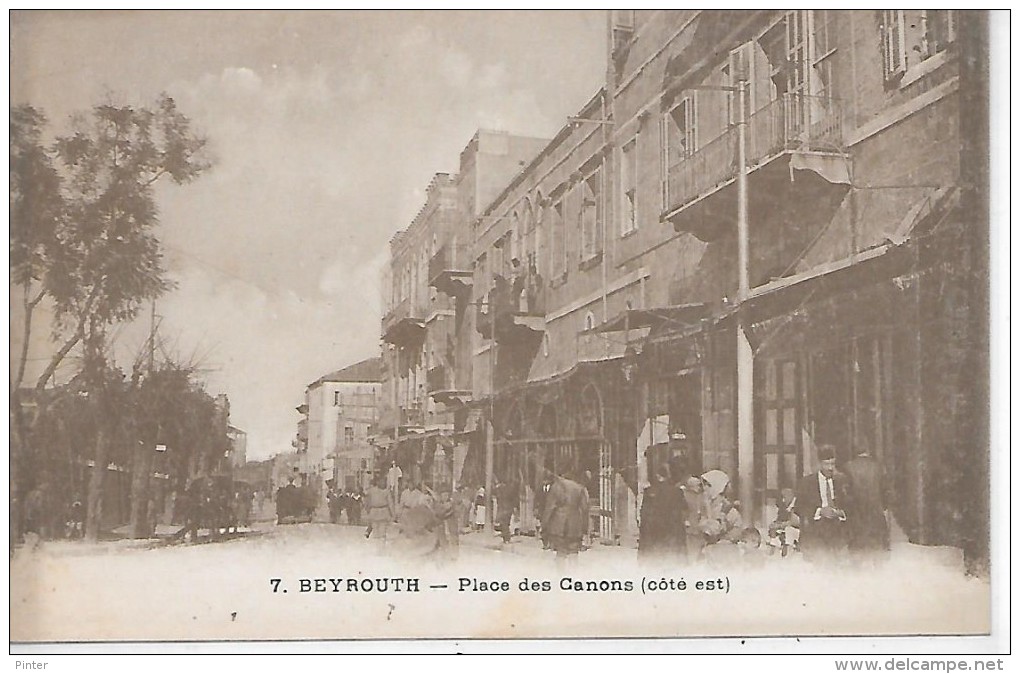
(507, 499)
(447, 527)
(721, 518)
(784, 531)
(462, 507)
(591, 490)
(334, 501)
(821, 501)
(662, 533)
(76, 519)
(721, 522)
(193, 507)
(695, 511)
(480, 513)
(354, 499)
(288, 501)
(540, 500)
(393, 477)
(566, 515)
(750, 554)
(35, 511)
(412, 497)
(867, 526)
(381, 510)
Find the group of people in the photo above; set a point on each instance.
(842, 511)
(342, 501)
(420, 522)
(694, 518)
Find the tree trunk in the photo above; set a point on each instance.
(17, 434)
(94, 507)
(141, 469)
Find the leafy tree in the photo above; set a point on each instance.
(83, 213)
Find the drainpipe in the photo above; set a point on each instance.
(606, 214)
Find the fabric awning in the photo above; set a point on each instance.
(677, 316)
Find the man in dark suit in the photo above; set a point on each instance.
(821, 501)
(867, 526)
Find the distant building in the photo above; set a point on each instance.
(341, 411)
(259, 474)
(238, 446)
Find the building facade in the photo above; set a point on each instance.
(427, 325)
(338, 417)
(757, 238)
(238, 440)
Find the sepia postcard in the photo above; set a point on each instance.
(488, 325)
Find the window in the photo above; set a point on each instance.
(538, 224)
(912, 36)
(559, 229)
(590, 216)
(349, 435)
(628, 185)
(516, 235)
(482, 270)
(338, 398)
(623, 19)
(824, 36)
(796, 51)
(589, 321)
(683, 140)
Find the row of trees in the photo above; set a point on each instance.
(82, 245)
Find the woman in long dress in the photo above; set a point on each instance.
(379, 509)
(480, 509)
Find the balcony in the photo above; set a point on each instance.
(412, 416)
(450, 270)
(401, 328)
(792, 132)
(514, 311)
(442, 387)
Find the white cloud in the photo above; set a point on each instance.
(243, 80)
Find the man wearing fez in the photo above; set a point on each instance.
(820, 503)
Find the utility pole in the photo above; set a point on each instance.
(152, 338)
(490, 429)
(745, 355)
(145, 452)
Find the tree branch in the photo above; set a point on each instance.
(59, 356)
(34, 302)
(71, 342)
(159, 174)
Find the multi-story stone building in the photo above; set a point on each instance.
(765, 233)
(807, 248)
(427, 323)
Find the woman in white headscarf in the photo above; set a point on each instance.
(721, 519)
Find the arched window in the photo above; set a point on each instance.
(589, 321)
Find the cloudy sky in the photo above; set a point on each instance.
(326, 127)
